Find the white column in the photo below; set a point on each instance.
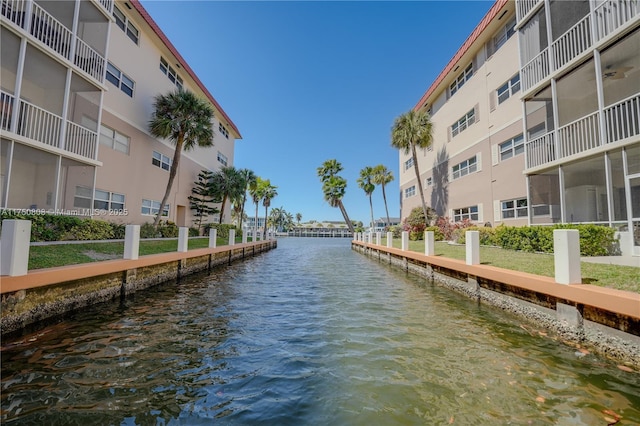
(183, 239)
(244, 237)
(389, 239)
(232, 237)
(429, 243)
(472, 239)
(213, 237)
(566, 254)
(378, 238)
(14, 247)
(131, 242)
(405, 240)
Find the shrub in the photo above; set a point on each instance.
(223, 229)
(487, 235)
(91, 230)
(168, 229)
(396, 230)
(194, 232)
(148, 231)
(415, 224)
(447, 227)
(437, 233)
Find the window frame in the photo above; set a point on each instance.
(102, 200)
(127, 87)
(511, 148)
(461, 79)
(408, 164)
(223, 130)
(509, 88)
(466, 213)
(113, 139)
(410, 191)
(464, 168)
(504, 34)
(152, 207)
(515, 207)
(124, 23)
(222, 159)
(463, 123)
(159, 158)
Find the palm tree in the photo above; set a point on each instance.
(383, 176)
(410, 131)
(269, 193)
(257, 193)
(334, 187)
(298, 218)
(365, 182)
(185, 120)
(250, 181)
(227, 184)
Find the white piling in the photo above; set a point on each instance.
(14, 247)
(429, 243)
(183, 239)
(472, 239)
(405, 240)
(232, 237)
(131, 242)
(389, 239)
(378, 238)
(566, 254)
(213, 237)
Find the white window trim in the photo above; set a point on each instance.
(112, 203)
(469, 212)
(461, 79)
(129, 29)
(408, 164)
(171, 73)
(121, 77)
(466, 167)
(410, 191)
(222, 158)
(463, 122)
(153, 207)
(509, 87)
(513, 144)
(162, 160)
(519, 211)
(222, 129)
(115, 139)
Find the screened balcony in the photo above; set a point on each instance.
(586, 28)
(50, 21)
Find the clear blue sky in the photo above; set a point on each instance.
(310, 81)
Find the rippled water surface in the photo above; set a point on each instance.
(311, 333)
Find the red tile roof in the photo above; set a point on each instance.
(497, 6)
(145, 15)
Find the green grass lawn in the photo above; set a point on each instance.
(49, 256)
(613, 276)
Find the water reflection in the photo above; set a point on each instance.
(310, 333)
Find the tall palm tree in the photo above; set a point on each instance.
(334, 187)
(269, 193)
(383, 176)
(227, 184)
(184, 119)
(298, 218)
(410, 131)
(365, 181)
(257, 193)
(250, 181)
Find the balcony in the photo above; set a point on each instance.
(523, 7)
(621, 121)
(37, 124)
(52, 33)
(604, 20)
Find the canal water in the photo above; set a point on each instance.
(311, 333)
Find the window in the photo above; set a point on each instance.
(125, 25)
(150, 207)
(466, 167)
(470, 213)
(514, 208)
(117, 78)
(223, 130)
(170, 73)
(504, 34)
(114, 140)
(102, 200)
(511, 148)
(461, 79)
(429, 181)
(465, 121)
(222, 158)
(161, 161)
(408, 164)
(509, 88)
(410, 192)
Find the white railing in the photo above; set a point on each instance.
(89, 60)
(14, 10)
(622, 119)
(541, 150)
(6, 110)
(572, 43)
(535, 70)
(108, 4)
(612, 14)
(579, 136)
(524, 6)
(80, 140)
(39, 124)
(50, 31)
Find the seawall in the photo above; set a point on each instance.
(44, 294)
(605, 320)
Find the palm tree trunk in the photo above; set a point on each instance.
(346, 217)
(415, 165)
(224, 201)
(172, 175)
(371, 208)
(255, 223)
(384, 196)
(266, 209)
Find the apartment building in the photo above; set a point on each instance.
(536, 120)
(77, 88)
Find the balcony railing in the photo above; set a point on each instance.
(612, 14)
(89, 60)
(41, 125)
(50, 31)
(535, 70)
(55, 35)
(572, 43)
(541, 150)
(524, 6)
(107, 4)
(579, 136)
(622, 119)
